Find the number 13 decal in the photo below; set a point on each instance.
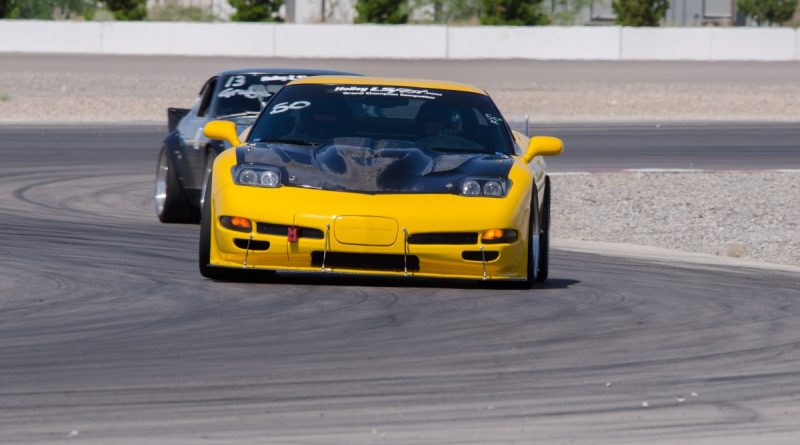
(235, 81)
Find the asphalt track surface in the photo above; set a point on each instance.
(108, 334)
(589, 147)
(719, 146)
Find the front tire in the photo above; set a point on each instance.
(544, 235)
(204, 254)
(171, 204)
(210, 157)
(539, 238)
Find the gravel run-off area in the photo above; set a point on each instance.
(90, 97)
(750, 215)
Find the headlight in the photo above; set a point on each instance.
(470, 188)
(247, 177)
(492, 188)
(257, 176)
(495, 188)
(270, 178)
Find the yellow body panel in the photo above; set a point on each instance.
(407, 83)
(365, 230)
(417, 213)
(364, 223)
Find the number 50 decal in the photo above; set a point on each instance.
(286, 106)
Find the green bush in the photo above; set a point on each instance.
(26, 9)
(639, 12)
(513, 12)
(382, 11)
(127, 9)
(47, 9)
(768, 11)
(256, 10)
(5, 8)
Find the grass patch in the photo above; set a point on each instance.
(4, 97)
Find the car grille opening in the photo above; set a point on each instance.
(254, 244)
(477, 255)
(443, 238)
(283, 230)
(367, 261)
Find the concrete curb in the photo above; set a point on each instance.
(649, 253)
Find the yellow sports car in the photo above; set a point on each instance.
(365, 175)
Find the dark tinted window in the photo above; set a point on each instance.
(242, 93)
(442, 120)
(206, 93)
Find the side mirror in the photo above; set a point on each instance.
(223, 131)
(543, 146)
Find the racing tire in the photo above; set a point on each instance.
(544, 235)
(204, 254)
(206, 175)
(170, 202)
(539, 247)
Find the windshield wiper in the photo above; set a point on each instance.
(243, 113)
(289, 141)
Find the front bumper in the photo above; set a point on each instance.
(327, 247)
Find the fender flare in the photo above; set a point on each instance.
(176, 150)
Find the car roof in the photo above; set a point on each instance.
(308, 72)
(388, 81)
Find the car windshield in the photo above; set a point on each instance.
(248, 93)
(380, 116)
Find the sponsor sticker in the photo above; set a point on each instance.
(496, 120)
(282, 77)
(413, 93)
(286, 106)
(254, 92)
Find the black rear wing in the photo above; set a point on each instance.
(174, 115)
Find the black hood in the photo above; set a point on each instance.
(374, 166)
